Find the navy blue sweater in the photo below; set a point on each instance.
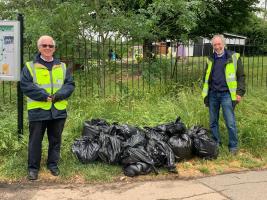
(36, 93)
(218, 81)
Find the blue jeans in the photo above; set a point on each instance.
(217, 100)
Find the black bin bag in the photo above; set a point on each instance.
(126, 131)
(136, 161)
(203, 146)
(110, 150)
(162, 154)
(172, 128)
(135, 140)
(94, 127)
(85, 149)
(181, 146)
(139, 168)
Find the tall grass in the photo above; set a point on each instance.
(148, 110)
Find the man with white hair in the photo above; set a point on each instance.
(47, 83)
(224, 86)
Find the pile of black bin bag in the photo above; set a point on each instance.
(141, 151)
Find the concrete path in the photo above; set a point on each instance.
(244, 186)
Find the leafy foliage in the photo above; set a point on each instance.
(223, 16)
(159, 19)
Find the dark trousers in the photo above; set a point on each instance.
(54, 131)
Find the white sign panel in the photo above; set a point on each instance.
(10, 50)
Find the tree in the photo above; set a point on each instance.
(145, 19)
(223, 16)
(255, 29)
(45, 17)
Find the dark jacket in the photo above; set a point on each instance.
(240, 75)
(34, 92)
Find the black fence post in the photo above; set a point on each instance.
(19, 92)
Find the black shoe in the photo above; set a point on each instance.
(32, 175)
(54, 171)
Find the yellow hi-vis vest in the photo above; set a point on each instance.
(230, 75)
(51, 81)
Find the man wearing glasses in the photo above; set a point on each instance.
(47, 83)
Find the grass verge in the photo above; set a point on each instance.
(153, 109)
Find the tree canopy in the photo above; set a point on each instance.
(147, 19)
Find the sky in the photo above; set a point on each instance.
(262, 3)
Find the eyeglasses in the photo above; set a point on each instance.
(47, 45)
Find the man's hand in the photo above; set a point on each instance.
(238, 98)
(53, 98)
(49, 99)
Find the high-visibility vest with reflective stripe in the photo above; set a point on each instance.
(51, 81)
(230, 76)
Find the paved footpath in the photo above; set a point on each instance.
(250, 185)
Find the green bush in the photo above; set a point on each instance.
(9, 142)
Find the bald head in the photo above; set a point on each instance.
(45, 38)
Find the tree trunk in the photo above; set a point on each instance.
(147, 49)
